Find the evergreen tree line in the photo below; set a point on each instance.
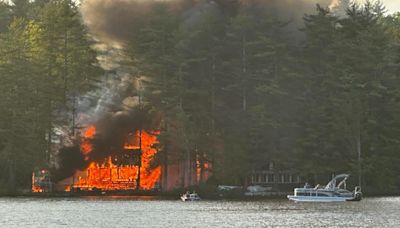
(240, 88)
(46, 61)
(237, 88)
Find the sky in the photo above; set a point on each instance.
(392, 5)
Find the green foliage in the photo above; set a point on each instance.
(234, 91)
(45, 60)
(237, 92)
(5, 16)
(351, 94)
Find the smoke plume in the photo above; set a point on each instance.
(117, 20)
(114, 107)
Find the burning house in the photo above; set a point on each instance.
(128, 170)
(116, 145)
(125, 161)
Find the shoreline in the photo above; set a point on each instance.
(160, 195)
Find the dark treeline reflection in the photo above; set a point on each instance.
(238, 84)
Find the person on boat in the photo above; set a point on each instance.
(307, 185)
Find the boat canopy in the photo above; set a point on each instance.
(332, 183)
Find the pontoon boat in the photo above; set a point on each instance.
(332, 192)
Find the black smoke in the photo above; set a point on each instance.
(112, 132)
(117, 113)
(70, 159)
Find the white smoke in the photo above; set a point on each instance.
(115, 91)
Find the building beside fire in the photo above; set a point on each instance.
(41, 181)
(278, 180)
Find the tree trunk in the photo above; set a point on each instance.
(12, 185)
(202, 169)
(244, 71)
(65, 65)
(358, 142)
(189, 166)
(140, 160)
(49, 134)
(183, 173)
(213, 96)
(165, 163)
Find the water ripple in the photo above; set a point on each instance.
(152, 212)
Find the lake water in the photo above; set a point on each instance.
(150, 212)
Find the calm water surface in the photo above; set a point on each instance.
(148, 212)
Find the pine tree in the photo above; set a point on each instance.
(58, 63)
(5, 16)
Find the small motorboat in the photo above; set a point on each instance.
(332, 192)
(190, 197)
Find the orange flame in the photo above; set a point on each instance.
(86, 146)
(37, 189)
(148, 178)
(90, 132)
(108, 175)
(40, 181)
(202, 170)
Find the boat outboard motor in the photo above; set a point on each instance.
(357, 195)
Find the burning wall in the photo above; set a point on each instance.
(118, 171)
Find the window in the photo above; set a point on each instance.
(286, 178)
(271, 178)
(299, 179)
(263, 178)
